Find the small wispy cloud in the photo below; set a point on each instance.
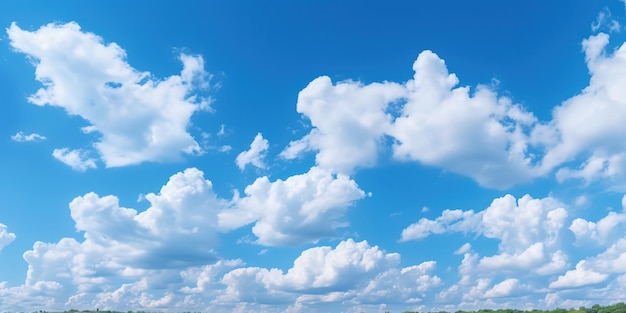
(76, 159)
(222, 130)
(605, 20)
(255, 154)
(34, 137)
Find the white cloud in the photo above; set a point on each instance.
(21, 137)
(339, 268)
(503, 289)
(5, 236)
(471, 132)
(449, 221)
(349, 122)
(593, 168)
(140, 118)
(550, 299)
(612, 260)
(602, 104)
(608, 231)
(578, 277)
(255, 154)
(173, 240)
(518, 224)
(222, 130)
(301, 209)
(162, 257)
(604, 232)
(136, 295)
(461, 290)
(207, 277)
(527, 259)
(251, 284)
(403, 285)
(177, 231)
(351, 272)
(466, 247)
(26, 298)
(477, 290)
(522, 223)
(478, 135)
(581, 200)
(76, 159)
(528, 233)
(601, 232)
(558, 263)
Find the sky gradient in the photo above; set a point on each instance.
(312, 156)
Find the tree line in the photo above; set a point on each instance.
(596, 308)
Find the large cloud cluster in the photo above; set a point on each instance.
(535, 242)
(352, 271)
(165, 256)
(474, 132)
(136, 116)
(436, 123)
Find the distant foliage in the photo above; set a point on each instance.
(615, 308)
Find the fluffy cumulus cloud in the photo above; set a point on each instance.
(349, 274)
(604, 231)
(579, 277)
(470, 131)
(137, 117)
(530, 236)
(22, 137)
(184, 290)
(531, 257)
(184, 211)
(206, 278)
(601, 108)
(176, 232)
(428, 118)
(255, 154)
(476, 134)
(349, 122)
(607, 266)
(301, 209)
(126, 256)
(536, 240)
(5, 236)
(401, 285)
(140, 118)
(517, 224)
(352, 272)
(27, 298)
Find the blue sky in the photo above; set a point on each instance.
(312, 156)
